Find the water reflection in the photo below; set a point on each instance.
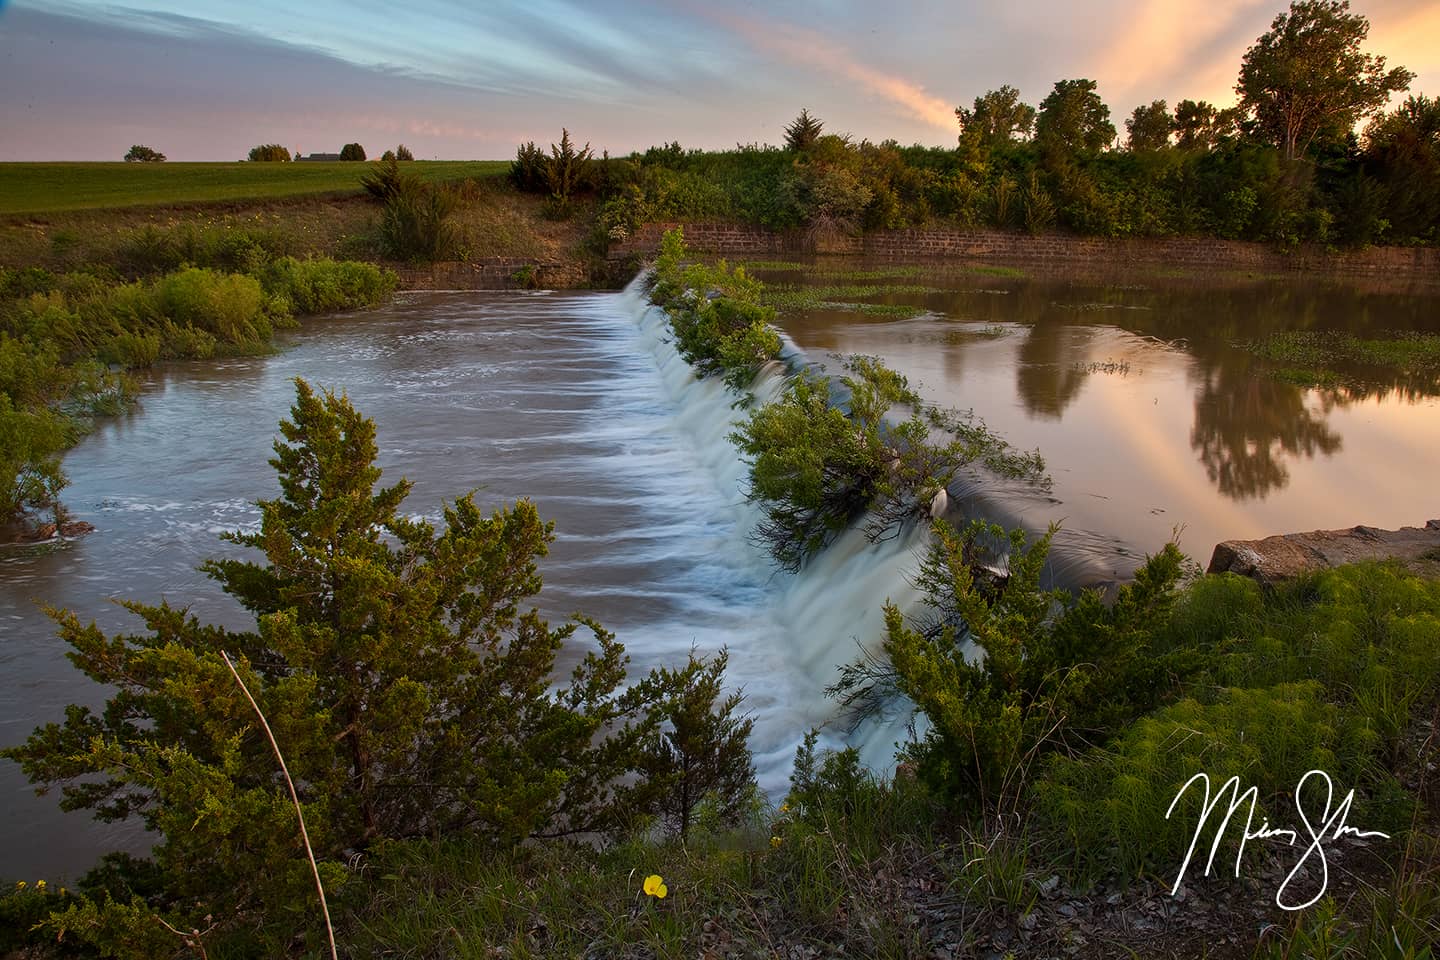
(1144, 399)
(1050, 367)
(1247, 425)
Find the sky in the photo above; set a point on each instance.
(471, 79)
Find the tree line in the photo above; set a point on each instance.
(1285, 164)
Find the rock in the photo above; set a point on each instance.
(1279, 558)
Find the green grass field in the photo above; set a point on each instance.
(54, 187)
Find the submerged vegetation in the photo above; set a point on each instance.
(1328, 359)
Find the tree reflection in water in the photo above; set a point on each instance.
(1049, 368)
(1247, 424)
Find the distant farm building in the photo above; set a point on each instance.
(319, 156)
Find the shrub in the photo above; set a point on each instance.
(352, 151)
(828, 453)
(567, 169)
(269, 153)
(412, 693)
(232, 307)
(1110, 805)
(1006, 672)
(386, 180)
(403, 153)
(325, 286)
(416, 223)
(715, 313)
(528, 169)
(31, 442)
(702, 756)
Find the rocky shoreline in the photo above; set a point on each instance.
(1284, 557)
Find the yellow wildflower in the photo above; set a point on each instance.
(655, 886)
(784, 808)
(775, 842)
(20, 884)
(40, 885)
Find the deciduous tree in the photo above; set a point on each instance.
(1073, 119)
(997, 118)
(1149, 127)
(1307, 76)
(143, 154)
(269, 153)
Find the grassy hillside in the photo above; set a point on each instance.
(54, 187)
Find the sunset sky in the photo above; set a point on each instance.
(208, 79)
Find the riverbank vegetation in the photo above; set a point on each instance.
(71, 342)
(1029, 821)
(1283, 166)
(455, 795)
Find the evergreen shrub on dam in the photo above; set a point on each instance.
(413, 694)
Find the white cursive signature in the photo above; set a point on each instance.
(1331, 826)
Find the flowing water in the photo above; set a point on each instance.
(578, 401)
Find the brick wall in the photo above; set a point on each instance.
(1189, 253)
(494, 273)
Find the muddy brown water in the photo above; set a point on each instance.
(1149, 415)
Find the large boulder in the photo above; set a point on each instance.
(1282, 557)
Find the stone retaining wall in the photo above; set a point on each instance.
(1192, 254)
(494, 273)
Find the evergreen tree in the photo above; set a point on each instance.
(703, 753)
(804, 132)
(409, 690)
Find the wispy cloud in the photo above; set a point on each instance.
(808, 48)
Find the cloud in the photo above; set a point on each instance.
(808, 48)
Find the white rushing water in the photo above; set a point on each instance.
(803, 626)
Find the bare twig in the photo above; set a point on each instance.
(295, 797)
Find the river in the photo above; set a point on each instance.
(1149, 415)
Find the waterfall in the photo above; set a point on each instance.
(825, 615)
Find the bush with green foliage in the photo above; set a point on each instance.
(720, 326)
(1006, 672)
(352, 152)
(322, 285)
(702, 754)
(410, 691)
(269, 153)
(1327, 673)
(386, 180)
(819, 465)
(402, 153)
(417, 225)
